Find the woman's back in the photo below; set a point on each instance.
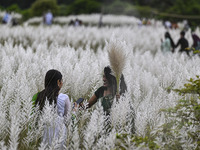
(166, 46)
(63, 105)
(50, 94)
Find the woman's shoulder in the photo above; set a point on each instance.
(99, 92)
(34, 98)
(63, 97)
(167, 40)
(101, 88)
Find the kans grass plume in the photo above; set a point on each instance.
(117, 58)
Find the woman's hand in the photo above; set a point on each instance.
(78, 106)
(75, 106)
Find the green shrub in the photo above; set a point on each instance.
(41, 6)
(125, 8)
(85, 7)
(182, 121)
(193, 87)
(181, 128)
(117, 7)
(144, 11)
(63, 10)
(14, 8)
(26, 14)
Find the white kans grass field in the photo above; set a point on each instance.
(80, 53)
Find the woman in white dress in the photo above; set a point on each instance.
(53, 84)
(166, 45)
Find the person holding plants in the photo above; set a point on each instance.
(106, 94)
(108, 91)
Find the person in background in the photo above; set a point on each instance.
(183, 42)
(167, 45)
(100, 21)
(44, 18)
(77, 22)
(196, 41)
(186, 25)
(167, 24)
(49, 18)
(71, 23)
(7, 18)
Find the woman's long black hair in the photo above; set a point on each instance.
(167, 35)
(51, 88)
(113, 82)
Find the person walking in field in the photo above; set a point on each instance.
(183, 43)
(48, 18)
(196, 42)
(7, 18)
(168, 44)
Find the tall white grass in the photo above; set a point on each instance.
(26, 53)
(92, 19)
(13, 14)
(117, 57)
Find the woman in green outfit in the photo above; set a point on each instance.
(108, 91)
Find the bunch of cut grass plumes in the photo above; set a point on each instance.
(117, 58)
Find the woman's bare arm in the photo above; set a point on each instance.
(92, 101)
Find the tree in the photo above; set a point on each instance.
(23, 4)
(85, 6)
(41, 6)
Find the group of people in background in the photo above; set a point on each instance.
(8, 19)
(174, 25)
(48, 18)
(168, 45)
(77, 22)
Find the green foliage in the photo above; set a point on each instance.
(183, 120)
(117, 7)
(41, 6)
(26, 14)
(14, 8)
(185, 7)
(184, 117)
(192, 87)
(139, 141)
(146, 141)
(85, 7)
(63, 10)
(144, 11)
(120, 7)
(138, 8)
(181, 129)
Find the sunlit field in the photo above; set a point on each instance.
(27, 52)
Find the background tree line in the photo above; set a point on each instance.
(138, 8)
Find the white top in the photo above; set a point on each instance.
(63, 105)
(49, 18)
(166, 45)
(57, 128)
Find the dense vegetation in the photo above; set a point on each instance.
(174, 10)
(163, 119)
